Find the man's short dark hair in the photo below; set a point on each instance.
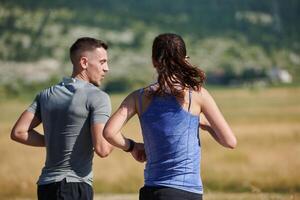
(85, 44)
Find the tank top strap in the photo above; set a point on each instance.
(190, 99)
(140, 101)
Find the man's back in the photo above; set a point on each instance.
(67, 111)
(73, 113)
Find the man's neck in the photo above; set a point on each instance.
(80, 76)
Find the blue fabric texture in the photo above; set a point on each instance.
(171, 137)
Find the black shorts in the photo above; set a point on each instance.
(65, 191)
(167, 193)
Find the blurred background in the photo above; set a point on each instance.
(235, 42)
(249, 49)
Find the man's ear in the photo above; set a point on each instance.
(83, 62)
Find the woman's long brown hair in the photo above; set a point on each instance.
(175, 73)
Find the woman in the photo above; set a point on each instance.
(169, 114)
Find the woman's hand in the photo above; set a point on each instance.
(138, 152)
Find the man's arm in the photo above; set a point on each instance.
(23, 130)
(101, 146)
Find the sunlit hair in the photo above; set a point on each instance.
(85, 44)
(175, 73)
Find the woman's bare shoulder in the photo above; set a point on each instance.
(200, 93)
(141, 91)
(201, 96)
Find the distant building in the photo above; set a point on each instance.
(279, 75)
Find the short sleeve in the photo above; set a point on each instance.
(100, 108)
(35, 107)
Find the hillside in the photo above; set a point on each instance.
(222, 36)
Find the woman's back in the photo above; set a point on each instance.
(170, 128)
(171, 142)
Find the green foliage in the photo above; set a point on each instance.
(233, 34)
(118, 85)
(26, 90)
(271, 24)
(123, 84)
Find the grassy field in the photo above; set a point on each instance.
(265, 165)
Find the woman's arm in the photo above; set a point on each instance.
(205, 125)
(114, 125)
(217, 125)
(112, 131)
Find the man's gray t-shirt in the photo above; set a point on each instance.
(67, 111)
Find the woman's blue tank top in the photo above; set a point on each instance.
(172, 144)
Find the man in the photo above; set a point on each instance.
(73, 113)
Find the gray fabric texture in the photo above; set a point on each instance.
(67, 110)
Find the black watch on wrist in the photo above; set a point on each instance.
(131, 145)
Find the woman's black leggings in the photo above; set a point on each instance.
(167, 193)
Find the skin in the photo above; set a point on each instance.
(202, 102)
(91, 66)
(112, 130)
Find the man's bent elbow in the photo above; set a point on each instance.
(14, 135)
(103, 152)
(107, 135)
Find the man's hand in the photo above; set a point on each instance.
(138, 152)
